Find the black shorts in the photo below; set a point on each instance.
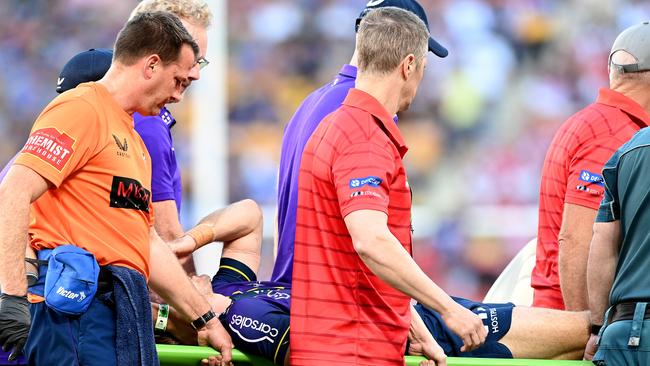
(258, 318)
(496, 319)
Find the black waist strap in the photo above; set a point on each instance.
(104, 280)
(625, 311)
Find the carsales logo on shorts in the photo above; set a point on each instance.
(51, 146)
(242, 322)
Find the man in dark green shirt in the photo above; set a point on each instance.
(619, 259)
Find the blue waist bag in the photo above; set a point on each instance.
(71, 279)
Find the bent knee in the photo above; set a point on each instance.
(253, 212)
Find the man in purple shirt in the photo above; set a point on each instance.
(155, 131)
(313, 109)
(245, 216)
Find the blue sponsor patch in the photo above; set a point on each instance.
(587, 176)
(360, 182)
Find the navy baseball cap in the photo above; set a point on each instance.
(86, 66)
(413, 7)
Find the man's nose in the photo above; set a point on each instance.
(177, 96)
(195, 73)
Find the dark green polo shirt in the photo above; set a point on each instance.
(627, 198)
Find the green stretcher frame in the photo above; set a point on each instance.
(192, 355)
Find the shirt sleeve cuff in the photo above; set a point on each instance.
(163, 196)
(357, 206)
(588, 202)
(40, 167)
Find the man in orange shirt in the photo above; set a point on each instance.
(93, 188)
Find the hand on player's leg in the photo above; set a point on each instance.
(467, 325)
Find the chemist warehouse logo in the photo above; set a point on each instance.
(243, 323)
(129, 193)
(51, 146)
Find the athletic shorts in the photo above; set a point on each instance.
(258, 318)
(496, 319)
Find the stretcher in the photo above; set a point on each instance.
(192, 355)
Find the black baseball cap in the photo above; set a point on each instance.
(413, 7)
(86, 66)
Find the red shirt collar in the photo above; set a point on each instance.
(617, 100)
(366, 102)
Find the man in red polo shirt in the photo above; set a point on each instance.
(572, 185)
(353, 272)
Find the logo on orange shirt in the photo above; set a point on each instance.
(122, 147)
(129, 193)
(51, 146)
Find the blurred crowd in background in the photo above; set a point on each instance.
(477, 132)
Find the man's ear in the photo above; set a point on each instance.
(408, 66)
(150, 65)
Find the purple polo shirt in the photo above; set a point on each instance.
(313, 109)
(165, 175)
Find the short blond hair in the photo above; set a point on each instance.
(196, 12)
(386, 36)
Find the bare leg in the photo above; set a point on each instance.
(547, 333)
(239, 227)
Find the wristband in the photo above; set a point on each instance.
(595, 329)
(202, 234)
(163, 316)
(201, 321)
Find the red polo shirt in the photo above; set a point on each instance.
(572, 174)
(341, 313)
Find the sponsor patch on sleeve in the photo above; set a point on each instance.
(591, 191)
(365, 193)
(51, 146)
(369, 181)
(587, 176)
